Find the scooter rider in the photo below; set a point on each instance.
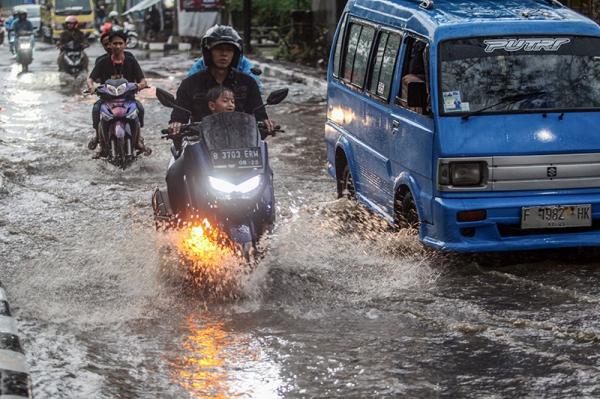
(221, 51)
(71, 33)
(22, 24)
(8, 25)
(117, 66)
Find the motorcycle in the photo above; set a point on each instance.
(132, 36)
(24, 49)
(73, 59)
(119, 126)
(222, 174)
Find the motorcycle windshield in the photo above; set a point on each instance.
(233, 141)
(227, 130)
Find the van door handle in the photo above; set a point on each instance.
(396, 124)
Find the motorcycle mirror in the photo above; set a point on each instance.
(165, 98)
(168, 100)
(277, 96)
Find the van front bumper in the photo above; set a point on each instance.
(501, 229)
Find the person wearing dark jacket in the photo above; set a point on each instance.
(117, 66)
(221, 50)
(71, 33)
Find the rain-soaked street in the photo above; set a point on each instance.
(339, 306)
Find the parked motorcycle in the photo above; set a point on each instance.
(73, 59)
(222, 173)
(119, 126)
(24, 49)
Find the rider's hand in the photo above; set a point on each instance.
(269, 125)
(175, 128)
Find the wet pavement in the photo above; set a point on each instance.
(339, 306)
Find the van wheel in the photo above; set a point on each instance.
(407, 214)
(346, 184)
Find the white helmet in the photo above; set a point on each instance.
(113, 14)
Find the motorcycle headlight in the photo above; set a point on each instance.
(25, 45)
(121, 89)
(249, 185)
(228, 188)
(112, 90)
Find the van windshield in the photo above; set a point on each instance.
(558, 73)
(68, 7)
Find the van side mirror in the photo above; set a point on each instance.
(416, 94)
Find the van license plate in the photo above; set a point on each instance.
(550, 217)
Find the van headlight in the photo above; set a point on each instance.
(228, 188)
(463, 174)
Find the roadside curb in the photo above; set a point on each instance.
(164, 46)
(15, 381)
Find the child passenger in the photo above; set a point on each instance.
(220, 99)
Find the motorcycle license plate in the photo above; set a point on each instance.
(550, 217)
(242, 158)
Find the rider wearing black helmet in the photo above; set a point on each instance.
(117, 66)
(221, 50)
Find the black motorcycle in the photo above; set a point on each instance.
(221, 173)
(73, 59)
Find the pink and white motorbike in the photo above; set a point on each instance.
(119, 126)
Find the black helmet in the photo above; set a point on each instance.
(221, 34)
(117, 31)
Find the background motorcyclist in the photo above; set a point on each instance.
(22, 24)
(221, 50)
(111, 21)
(117, 66)
(71, 33)
(8, 25)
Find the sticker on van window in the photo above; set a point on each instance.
(453, 102)
(533, 44)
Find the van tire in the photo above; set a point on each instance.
(407, 215)
(346, 184)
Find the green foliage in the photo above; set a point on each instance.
(270, 12)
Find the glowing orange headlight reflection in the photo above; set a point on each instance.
(203, 243)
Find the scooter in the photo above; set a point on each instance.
(24, 49)
(73, 59)
(119, 126)
(132, 36)
(222, 174)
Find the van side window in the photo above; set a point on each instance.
(382, 73)
(360, 40)
(338, 48)
(415, 74)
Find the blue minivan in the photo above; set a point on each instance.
(476, 120)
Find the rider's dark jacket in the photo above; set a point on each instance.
(22, 25)
(191, 95)
(74, 35)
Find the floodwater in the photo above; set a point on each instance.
(339, 305)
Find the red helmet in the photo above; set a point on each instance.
(71, 19)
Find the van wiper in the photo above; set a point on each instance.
(505, 100)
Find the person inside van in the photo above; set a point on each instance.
(415, 71)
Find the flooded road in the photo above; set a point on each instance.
(339, 307)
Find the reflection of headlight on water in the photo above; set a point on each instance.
(228, 188)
